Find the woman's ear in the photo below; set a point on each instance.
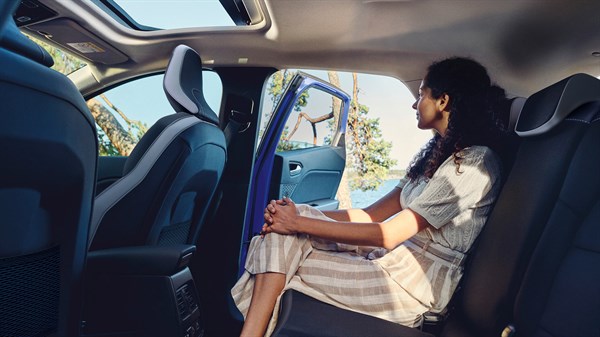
(443, 102)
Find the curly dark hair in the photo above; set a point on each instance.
(478, 113)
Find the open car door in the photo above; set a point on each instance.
(302, 153)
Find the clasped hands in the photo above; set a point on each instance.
(280, 217)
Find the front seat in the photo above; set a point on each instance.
(171, 175)
(47, 177)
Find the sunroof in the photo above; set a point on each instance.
(171, 14)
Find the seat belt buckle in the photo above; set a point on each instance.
(431, 322)
(509, 331)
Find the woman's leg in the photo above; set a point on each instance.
(271, 262)
(267, 287)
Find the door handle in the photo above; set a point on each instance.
(295, 169)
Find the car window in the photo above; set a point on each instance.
(124, 113)
(381, 134)
(311, 122)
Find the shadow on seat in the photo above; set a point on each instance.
(47, 178)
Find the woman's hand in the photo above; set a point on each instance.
(280, 217)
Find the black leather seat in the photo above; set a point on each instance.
(47, 177)
(560, 293)
(171, 175)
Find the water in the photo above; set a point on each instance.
(362, 199)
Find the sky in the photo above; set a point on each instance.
(177, 13)
(387, 98)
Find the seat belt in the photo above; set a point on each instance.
(240, 115)
(238, 122)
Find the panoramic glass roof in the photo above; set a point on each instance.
(170, 14)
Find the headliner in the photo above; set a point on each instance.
(526, 45)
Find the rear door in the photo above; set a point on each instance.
(302, 154)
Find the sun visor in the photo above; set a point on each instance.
(74, 38)
(547, 108)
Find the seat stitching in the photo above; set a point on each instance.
(578, 120)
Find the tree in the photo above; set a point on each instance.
(370, 154)
(120, 141)
(343, 192)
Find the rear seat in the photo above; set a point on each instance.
(560, 293)
(524, 207)
(552, 139)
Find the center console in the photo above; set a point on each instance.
(141, 291)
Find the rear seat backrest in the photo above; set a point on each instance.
(521, 212)
(560, 293)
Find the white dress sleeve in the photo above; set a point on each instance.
(402, 182)
(449, 193)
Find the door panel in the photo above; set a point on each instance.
(309, 176)
(308, 172)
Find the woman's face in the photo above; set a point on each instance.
(430, 111)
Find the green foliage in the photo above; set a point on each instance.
(370, 154)
(136, 129)
(63, 63)
(105, 146)
(284, 143)
(279, 82)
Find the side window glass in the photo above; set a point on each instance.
(124, 114)
(311, 122)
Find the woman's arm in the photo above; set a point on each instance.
(387, 234)
(379, 211)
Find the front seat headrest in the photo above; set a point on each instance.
(15, 41)
(183, 84)
(548, 107)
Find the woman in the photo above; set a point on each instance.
(403, 255)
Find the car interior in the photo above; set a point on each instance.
(150, 242)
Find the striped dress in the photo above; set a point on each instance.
(417, 276)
